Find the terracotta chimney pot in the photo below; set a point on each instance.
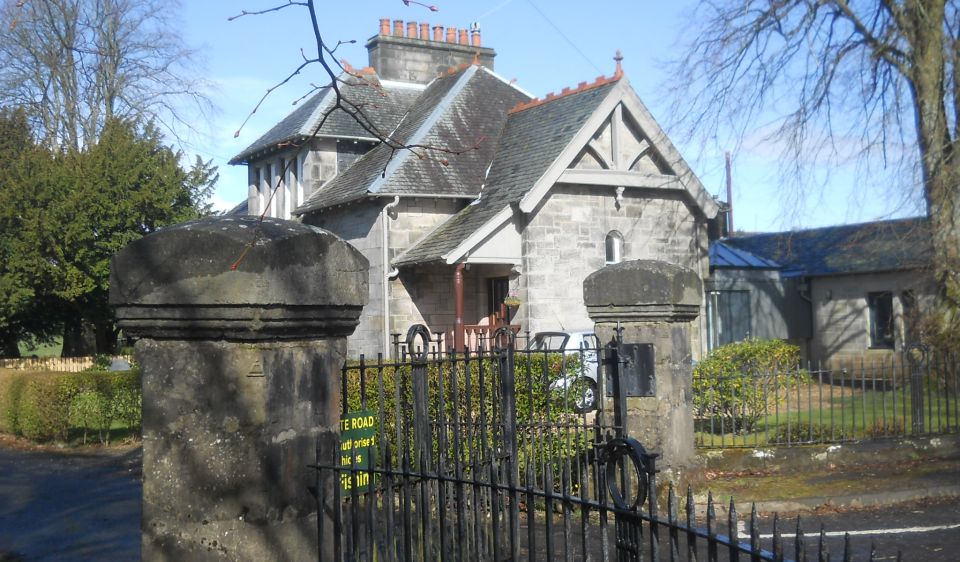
(384, 26)
(412, 29)
(425, 31)
(398, 28)
(475, 38)
(438, 33)
(451, 35)
(463, 37)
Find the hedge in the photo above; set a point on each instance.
(546, 422)
(57, 406)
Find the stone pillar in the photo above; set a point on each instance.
(241, 332)
(657, 303)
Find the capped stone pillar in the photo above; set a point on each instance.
(241, 331)
(654, 303)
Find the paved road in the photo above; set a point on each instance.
(927, 531)
(75, 507)
(69, 507)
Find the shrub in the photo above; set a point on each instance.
(47, 406)
(44, 408)
(736, 384)
(11, 392)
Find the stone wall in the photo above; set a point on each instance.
(563, 242)
(841, 315)
(410, 220)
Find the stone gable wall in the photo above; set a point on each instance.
(564, 238)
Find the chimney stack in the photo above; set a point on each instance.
(406, 52)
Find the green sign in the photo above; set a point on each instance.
(358, 442)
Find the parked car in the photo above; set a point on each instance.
(580, 388)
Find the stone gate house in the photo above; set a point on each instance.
(842, 293)
(527, 197)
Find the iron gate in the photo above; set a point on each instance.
(488, 455)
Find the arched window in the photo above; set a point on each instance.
(614, 247)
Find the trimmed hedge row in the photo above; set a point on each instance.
(57, 406)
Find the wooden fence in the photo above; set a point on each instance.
(56, 364)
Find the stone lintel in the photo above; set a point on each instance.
(643, 313)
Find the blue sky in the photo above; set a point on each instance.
(545, 44)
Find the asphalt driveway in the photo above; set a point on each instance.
(69, 506)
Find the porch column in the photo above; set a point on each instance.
(241, 331)
(654, 303)
(458, 334)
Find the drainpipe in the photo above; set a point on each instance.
(458, 307)
(388, 274)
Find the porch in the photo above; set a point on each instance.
(462, 304)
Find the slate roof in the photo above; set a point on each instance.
(856, 248)
(532, 140)
(384, 103)
(463, 111)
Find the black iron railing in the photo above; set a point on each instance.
(488, 456)
(908, 395)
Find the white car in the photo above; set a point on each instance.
(581, 389)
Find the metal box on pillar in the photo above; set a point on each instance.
(241, 330)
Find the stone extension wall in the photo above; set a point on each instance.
(841, 315)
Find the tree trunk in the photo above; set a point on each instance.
(106, 336)
(78, 338)
(8, 346)
(937, 151)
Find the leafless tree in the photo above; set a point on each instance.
(880, 75)
(74, 64)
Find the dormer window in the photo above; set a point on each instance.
(614, 247)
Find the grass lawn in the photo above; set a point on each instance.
(823, 413)
(42, 350)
